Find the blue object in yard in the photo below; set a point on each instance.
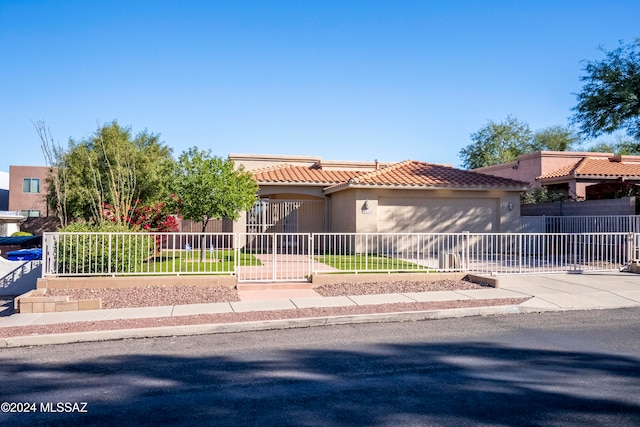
(25, 254)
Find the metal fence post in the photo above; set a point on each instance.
(274, 250)
(109, 253)
(236, 254)
(519, 251)
(310, 252)
(467, 248)
(45, 254)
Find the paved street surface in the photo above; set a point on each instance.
(558, 368)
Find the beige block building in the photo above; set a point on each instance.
(308, 194)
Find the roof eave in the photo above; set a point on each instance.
(585, 176)
(566, 178)
(335, 189)
(294, 184)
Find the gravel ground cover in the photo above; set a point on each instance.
(371, 288)
(151, 296)
(173, 295)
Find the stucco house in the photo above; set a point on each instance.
(586, 174)
(309, 194)
(570, 172)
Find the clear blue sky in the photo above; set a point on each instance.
(345, 80)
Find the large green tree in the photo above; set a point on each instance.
(610, 98)
(502, 142)
(111, 167)
(622, 146)
(554, 138)
(205, 187)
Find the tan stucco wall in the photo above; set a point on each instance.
(343, 212)
(133, 282)
(509, 211)
(436, 211)
(366, 220)
(259, 161)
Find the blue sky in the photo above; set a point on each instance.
(345, 80)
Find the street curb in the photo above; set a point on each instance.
(264, 325)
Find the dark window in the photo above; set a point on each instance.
(30, 213)
(31, 185)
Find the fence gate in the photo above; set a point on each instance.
(273, 257)
(286, 216)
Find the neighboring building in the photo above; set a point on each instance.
(570, 172)
(4, 191)
(28, 189)
(308, 194)
(589, 173)
(10, 222)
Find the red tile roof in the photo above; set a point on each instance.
(301, 174)
(407, 174)
(600, 168)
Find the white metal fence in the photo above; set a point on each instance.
(296, 256)
(273, 257)
(111, 254)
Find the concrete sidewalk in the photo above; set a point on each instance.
(550, 292)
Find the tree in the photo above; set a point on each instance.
(57, 179)
(496, 143)
(503, 142)
(205, 187)
(610, 98)
(554, 138)
(110, 168)
(621, 146)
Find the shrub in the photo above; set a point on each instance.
(151, 217)
(101, 249)
(21, 234)
(542, 195)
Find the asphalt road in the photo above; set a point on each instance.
(554, 369)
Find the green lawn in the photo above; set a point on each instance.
(219, 261)
(363, 262)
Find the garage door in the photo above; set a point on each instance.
(437, 215)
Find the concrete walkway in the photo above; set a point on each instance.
(579, 291)
(550, 292)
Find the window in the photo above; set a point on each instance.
(30, 213)
(31, 185)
